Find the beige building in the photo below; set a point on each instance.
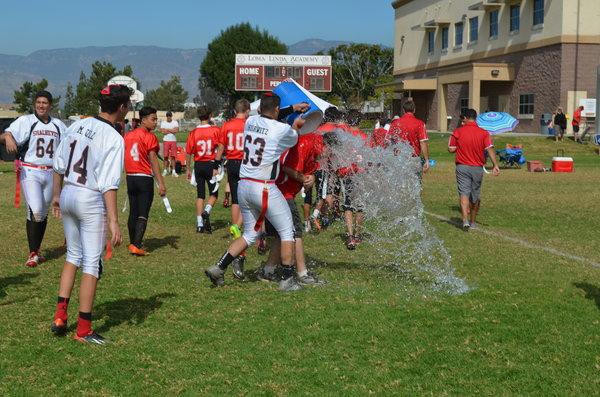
(525, 57)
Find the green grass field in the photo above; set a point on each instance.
(530, 326)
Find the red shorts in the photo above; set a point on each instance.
(169, 149)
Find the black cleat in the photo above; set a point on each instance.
(92, 337)
(237, 267)
(206, 220)
(215, 275)
(59, 327)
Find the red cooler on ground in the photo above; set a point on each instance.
(562, 164)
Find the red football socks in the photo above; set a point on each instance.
(84, 324)
(61, 309)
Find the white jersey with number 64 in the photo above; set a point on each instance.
(91, 155)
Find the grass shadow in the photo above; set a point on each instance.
(316, 263)
(155, 243)
(56, 252)
(219, 224)
(591, 292)
(20, 279)
(130, 310)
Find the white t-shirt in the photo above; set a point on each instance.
(90, 155)
(37, 140)
(169, 125)
(264, 141)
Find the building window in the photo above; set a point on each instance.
(538, 12)
(515, 18)
(272, 72)
(458, 34)
(473, 29)
(249, 82)
(526, 104)
(445, 34)
(494, 24)
(295, 72)
(464, 105)
(317, 83)
(431, 41)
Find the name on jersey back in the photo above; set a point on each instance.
(89, 134)
(257, 129)
(45, 133)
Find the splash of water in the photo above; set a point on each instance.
(388, 189)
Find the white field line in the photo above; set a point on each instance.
(521, 242)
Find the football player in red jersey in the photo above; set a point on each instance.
(205, 148)
(232, 138)
(141, 164)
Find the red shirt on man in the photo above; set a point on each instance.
(202, 142)
(232, 137)
(470, 142)
(379, 137)
(410, 129)
(576, 117)
(301, 158)
(138, 145)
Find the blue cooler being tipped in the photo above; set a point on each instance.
(292, 93)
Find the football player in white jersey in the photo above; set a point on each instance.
(34, 139)
(265, 139)
(89, 161)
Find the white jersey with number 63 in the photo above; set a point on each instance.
(265, 140)
(91, 155)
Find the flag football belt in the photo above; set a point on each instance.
(18, 165)
(265, 200)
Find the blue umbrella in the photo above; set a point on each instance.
(497, 122)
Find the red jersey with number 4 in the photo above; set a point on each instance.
(202, 142)
(138, 145)
(232, 137)
(410, 129)
(301, 158)
(470, 142)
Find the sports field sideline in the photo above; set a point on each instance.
(531, 324)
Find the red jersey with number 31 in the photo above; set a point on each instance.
(202, 142)
(138, 145)
(232, 137)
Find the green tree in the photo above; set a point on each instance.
(88, 89)
(69, 107)
(357, 69)
(169, 95)
(218, 67)
(25, 95)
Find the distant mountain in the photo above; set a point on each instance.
(150, 64)
(312, 46)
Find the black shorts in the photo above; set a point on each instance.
(140, 191)
(203, 171)
(575, 128)
(233, 178)
(295, 219)
(349, 199)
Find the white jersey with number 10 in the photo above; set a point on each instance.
(265, 140)
(91, 155)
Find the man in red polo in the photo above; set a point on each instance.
(410, 129)
(469, 142)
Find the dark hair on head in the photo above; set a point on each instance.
(332, 114)
(169, 114)
(242, 105)
(470, 114)
(204, 112)
(354, 117)
(146, 111)
(269, 101)
(385, 121)
(331, 139)
(43, 94)
(409, 106)
(113, 97)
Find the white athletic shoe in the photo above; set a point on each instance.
(175, 174)
(466, 226)
(165, 172)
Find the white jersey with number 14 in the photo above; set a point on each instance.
(91, 155)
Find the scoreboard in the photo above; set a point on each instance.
(263, 72)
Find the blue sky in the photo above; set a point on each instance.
(32, 25)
